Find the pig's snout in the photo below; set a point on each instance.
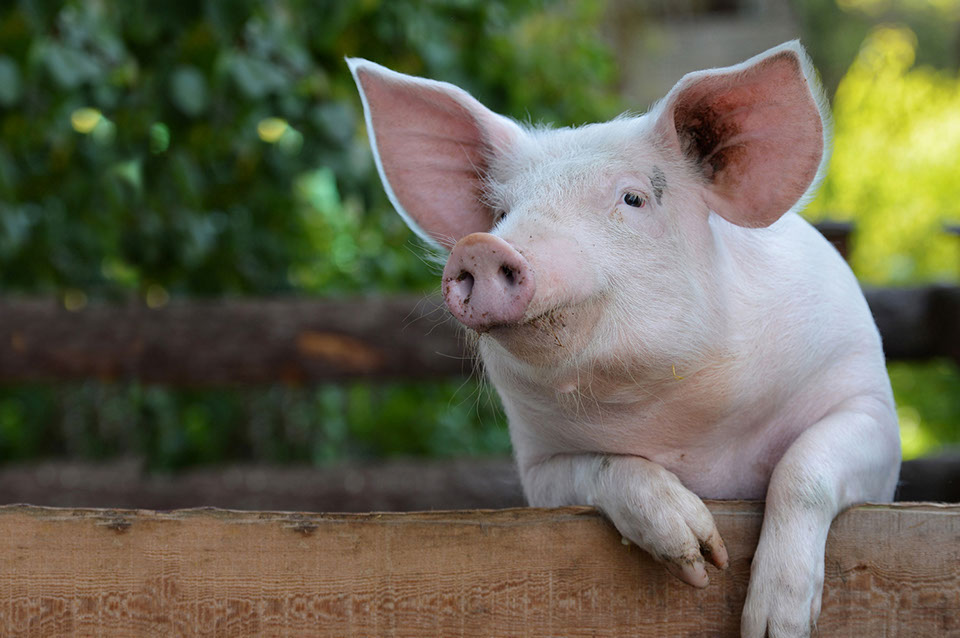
(486, 282)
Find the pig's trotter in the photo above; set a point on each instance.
(646, 503)
(786, 583)
(650, 506)
(849, 457)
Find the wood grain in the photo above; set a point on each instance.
(891, 570)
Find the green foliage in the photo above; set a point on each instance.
(928, 402)
(172, 429)
(212, 148)
(894, 164)
(833, 30)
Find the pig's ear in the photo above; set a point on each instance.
(754, 131)
(433, 143)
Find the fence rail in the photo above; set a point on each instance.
(890, 569)
(259, 341)
(524, 572)
(229, 341)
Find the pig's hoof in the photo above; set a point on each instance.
(655, 511)
(783, 599)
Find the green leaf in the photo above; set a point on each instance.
(130, 172)
(10, 85)
(255, 77)
(70, 67)
(188, 90)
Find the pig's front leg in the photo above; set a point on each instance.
(647, 504)
(849, 457)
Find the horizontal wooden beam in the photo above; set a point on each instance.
(396, 484)
(259, 341)
(230, 341)
(917, 323)
(891, 570)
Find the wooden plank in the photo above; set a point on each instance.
(394, 484)
(891, 570)
(197, 343)
(230, 341)
(917, 323)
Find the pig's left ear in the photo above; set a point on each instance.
(754, 131)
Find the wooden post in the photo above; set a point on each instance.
(891, 570)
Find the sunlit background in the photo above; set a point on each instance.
(152, 151)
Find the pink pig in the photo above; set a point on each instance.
(660, 323)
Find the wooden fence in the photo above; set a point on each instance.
(891, 570)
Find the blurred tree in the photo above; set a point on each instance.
(833, 31)
(213, 148)
(896, 146)
(177, 428)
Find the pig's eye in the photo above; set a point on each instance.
(501, 216)
(633, 199)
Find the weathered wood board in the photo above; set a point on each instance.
(891, 570)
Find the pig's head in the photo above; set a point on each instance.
(597, 247)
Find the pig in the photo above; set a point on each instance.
(660, 323)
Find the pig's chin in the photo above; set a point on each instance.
(549, 338)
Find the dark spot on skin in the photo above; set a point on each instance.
(659, 182)
(604, 463)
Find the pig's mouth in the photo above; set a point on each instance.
(551, 322)
(551, 336)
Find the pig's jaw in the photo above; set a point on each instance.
(549, 341)
(587, 346)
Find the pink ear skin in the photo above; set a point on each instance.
(433, 143)
(754, 131)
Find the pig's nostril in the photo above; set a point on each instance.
(463, 283)
(508, 274)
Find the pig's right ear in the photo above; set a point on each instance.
(432, 143)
